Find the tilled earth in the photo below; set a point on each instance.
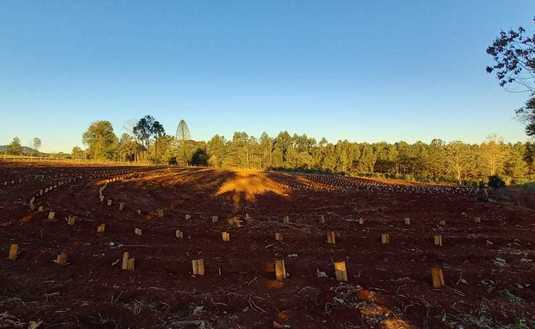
(487, 256)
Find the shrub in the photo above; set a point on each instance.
(496, 182)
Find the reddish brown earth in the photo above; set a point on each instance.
(488, 267)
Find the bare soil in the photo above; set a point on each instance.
(487, 255)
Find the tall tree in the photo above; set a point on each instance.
(143, 130)
(216, 151)
(128, 148)
(266, 144)
(15, 147)
(514, 56)
(183, 135)
(158, 131)
(458, 159)
(493, 155)
(515, 167)
(182, 131)
(78, 154)
(101, 140)
(36, 143)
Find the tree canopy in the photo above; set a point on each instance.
(36, 142)
(514, 55)
(15, 147)
(455, 162)
(101, 140)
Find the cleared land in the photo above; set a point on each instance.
(487, 255)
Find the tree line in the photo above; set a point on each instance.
(435, 161)
(16, 147)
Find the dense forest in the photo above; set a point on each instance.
(435, 161)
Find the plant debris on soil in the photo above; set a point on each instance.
(487, 255)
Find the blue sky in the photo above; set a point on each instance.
(357, 70)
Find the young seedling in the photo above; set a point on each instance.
(179, 234)
(278, 236)
(225, 236)
(51, 215)
(385, 238)
(437, 239)
(138, 231)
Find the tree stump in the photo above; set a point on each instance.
(286, 220)
(438, 277)
(13, 251)
(280, 270)
(61, 259)
(198, 266)
(131, 264)
(101, 228)
(71, 220)
(124, 264)
(340, 271)
(437, 239)
(331, 237)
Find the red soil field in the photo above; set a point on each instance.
(487, 255)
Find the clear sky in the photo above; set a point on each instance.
(357, 70)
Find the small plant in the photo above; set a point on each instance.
(496, 182)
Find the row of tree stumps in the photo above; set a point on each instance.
(340, 267)
(198, 265)
(112, 176)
